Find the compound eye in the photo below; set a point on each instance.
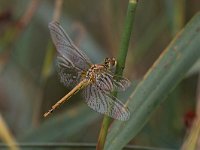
(113, 61)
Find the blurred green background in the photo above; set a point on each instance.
(29, 83)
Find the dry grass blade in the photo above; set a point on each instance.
(6, 136)
(192, 141)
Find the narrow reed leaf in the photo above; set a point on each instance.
(158, 82)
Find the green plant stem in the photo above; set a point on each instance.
(120, 65)
(178, 16)
(126, 37)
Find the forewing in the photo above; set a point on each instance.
(69, 74)
(103, 102)
(66, 47)
(108, 82)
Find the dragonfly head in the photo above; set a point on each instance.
(110, 62)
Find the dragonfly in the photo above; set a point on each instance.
(96, 81)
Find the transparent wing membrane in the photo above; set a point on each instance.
(66, 47)
(121, 83)
(103, 102)
(69, 74)
(108, 83)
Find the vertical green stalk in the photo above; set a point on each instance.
(178, 16)
(175, 10)
(120, 65)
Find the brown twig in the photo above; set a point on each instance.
(28, 15)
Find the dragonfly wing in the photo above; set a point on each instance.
(66, 47)
(121, 83)
(103, 102)
(108, 82)
(69, 74)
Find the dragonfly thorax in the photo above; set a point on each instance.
(95, 71)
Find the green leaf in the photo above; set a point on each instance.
(158, 82)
